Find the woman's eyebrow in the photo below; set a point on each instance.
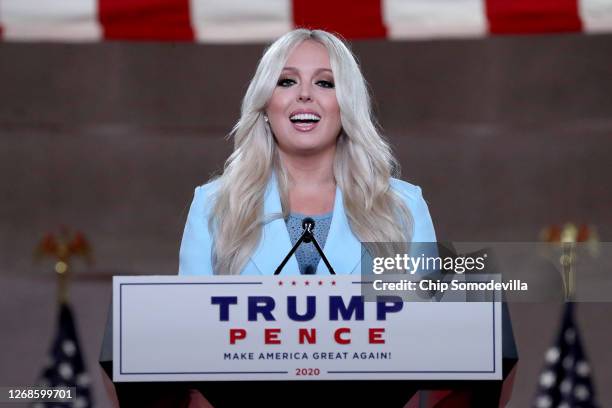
(316, 71)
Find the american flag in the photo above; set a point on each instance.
(239, 21)
(65, 367)
(565, 381)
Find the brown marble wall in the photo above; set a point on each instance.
(504, 135)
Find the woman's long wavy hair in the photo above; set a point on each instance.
(362, 166)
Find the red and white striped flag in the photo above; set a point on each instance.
(241, 21)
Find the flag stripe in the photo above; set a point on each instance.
(528, 16)
(240, 21)
(65, 20)
(425, 18)
(349, 18)
(596, 15)
(146, 19)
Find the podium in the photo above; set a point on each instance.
(312, 393)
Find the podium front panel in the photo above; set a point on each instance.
(274, 328)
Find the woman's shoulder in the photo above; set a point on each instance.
(423, 229)
(209, 188)
(195, 256)
(405, 189)
(203, 196)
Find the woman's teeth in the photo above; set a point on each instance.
(304, 117)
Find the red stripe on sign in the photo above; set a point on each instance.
(529, 16)
(349, 18)
(146, 19)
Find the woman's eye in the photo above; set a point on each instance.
(325, 84)
(285, 82)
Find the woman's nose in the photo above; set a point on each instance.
(304, 95)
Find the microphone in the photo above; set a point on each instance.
(308, 225)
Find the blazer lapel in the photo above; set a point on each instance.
(342, 248)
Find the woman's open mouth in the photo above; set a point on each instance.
(304, 121)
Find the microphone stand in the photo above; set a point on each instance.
(308, 225)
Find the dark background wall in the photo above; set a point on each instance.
(504, 135)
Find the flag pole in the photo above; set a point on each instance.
(62, 268)
(567, 260)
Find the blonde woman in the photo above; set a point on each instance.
(306, 145)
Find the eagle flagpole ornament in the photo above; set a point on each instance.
(566, 239)
(63, 247)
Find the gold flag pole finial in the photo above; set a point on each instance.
(62, 247)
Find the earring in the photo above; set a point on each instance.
(266, 118)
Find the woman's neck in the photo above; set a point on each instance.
(312, 187)
(310, 171)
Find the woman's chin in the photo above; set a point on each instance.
(308, 149)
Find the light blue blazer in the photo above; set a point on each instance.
(342, 248)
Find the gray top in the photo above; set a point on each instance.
(307, 255)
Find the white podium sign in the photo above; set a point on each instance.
(243, 328)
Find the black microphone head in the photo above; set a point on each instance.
(308, 224)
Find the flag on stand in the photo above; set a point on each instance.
(565, 381)
(65, 367)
